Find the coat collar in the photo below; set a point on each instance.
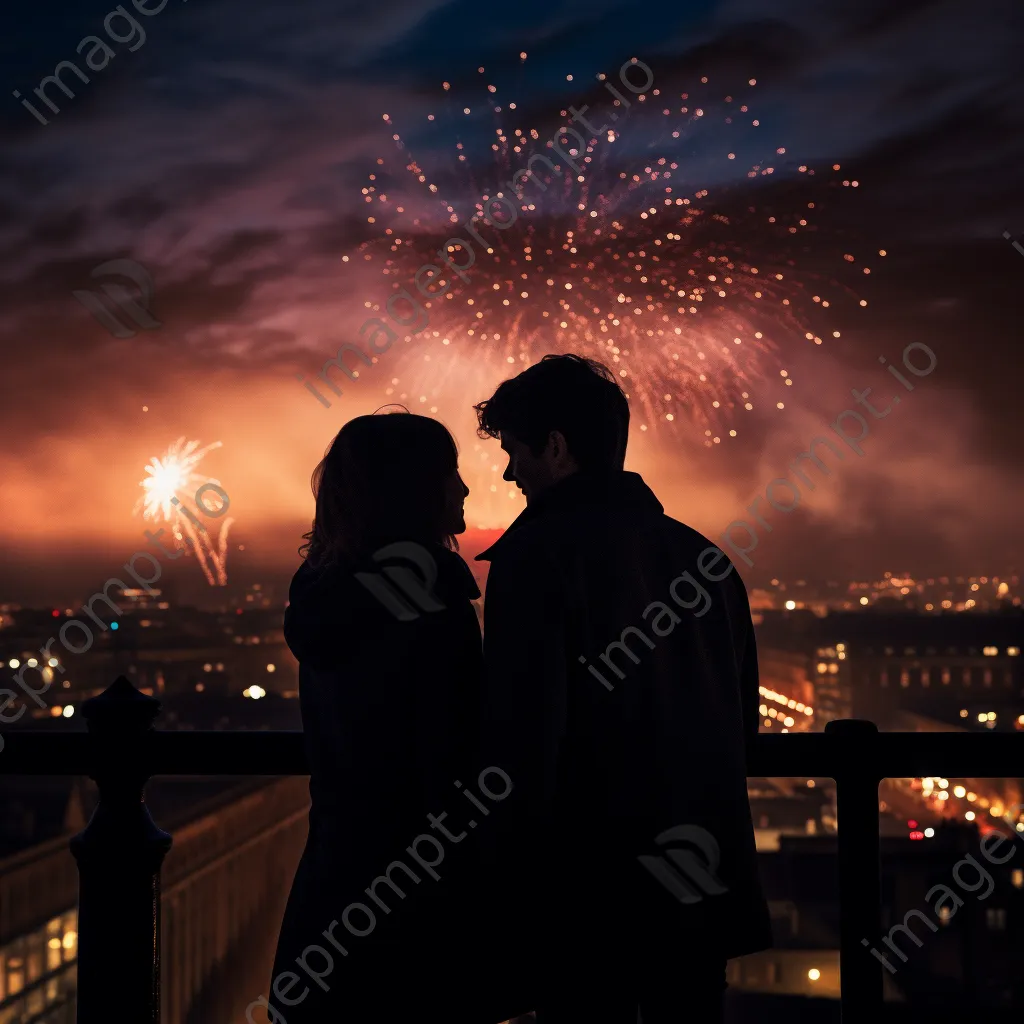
(580, 491)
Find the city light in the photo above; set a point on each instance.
(13, 663)
(69, 710)
(271, 668)
(814, 974)
(929, 833)
(970, 815)
(790, 605)
(254, 692)
(959, 791)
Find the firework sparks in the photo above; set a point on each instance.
(169, 479)
(666, 270)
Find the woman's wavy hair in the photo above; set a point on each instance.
(382, 479)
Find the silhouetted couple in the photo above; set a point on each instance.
(557, 821)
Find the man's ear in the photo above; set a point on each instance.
(559, 449)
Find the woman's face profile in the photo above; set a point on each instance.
(455, 491)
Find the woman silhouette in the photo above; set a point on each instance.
(381, 620)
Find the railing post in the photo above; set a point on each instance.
(860, 881)
(119, 855)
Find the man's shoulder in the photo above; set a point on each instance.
(703, 554)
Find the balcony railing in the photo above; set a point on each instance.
(120, 852)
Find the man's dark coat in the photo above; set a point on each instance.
(621, 692)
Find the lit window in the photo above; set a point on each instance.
(995, 918)
(1013, 651)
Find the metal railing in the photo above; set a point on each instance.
(120, 852)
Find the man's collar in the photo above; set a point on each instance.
(585, 489)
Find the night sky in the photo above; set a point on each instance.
(228, 153)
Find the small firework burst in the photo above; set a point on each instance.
(169, 479)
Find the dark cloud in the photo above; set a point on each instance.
(227, 155)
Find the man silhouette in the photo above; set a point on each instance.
(621, 691)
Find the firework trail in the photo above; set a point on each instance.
(169, 479)
(659, 265)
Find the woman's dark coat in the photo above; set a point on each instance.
(389, 707)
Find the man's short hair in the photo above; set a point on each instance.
(576, 396)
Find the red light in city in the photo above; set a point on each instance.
(917, 835)
(912, 824)
(55, 613)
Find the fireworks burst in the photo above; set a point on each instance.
(660, 266)
(169, 479)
